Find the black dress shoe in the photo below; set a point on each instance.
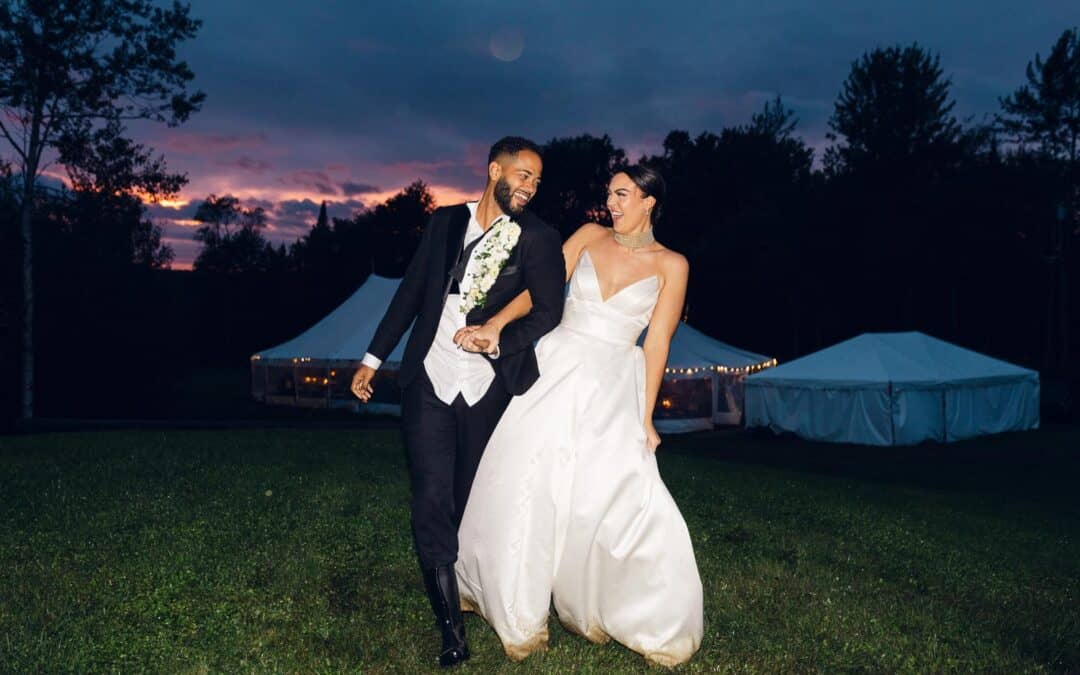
(441, 585)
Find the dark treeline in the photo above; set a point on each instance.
(911, 219)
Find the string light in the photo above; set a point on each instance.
(724, 370)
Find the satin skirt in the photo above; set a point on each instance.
(568, 504)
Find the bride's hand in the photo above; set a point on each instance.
(652, 439)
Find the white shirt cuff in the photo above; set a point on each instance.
(371, 361)
(495, 354)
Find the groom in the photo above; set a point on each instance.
(472, 260)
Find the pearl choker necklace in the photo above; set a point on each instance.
(639, 240)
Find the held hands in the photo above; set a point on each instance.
(478, 339)
(652, 439)
(361, 383)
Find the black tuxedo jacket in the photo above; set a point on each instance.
(536, 263)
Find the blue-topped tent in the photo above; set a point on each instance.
(702, 385)
(703, 382)
(315, 368)
(893, 389)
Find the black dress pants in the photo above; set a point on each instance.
(444, 445)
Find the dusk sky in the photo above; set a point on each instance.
(349, 102)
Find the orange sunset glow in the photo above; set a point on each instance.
(173, 215)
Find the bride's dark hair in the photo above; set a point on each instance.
(651, 184)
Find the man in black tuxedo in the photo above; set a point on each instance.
(452, 398)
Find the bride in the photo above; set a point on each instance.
(567, 501)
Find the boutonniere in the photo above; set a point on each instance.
(489, 261)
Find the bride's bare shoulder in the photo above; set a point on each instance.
(673, 262)
(589, 232)
(672, 266)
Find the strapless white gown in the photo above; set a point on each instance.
(568, 501)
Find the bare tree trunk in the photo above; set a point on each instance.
(1064, 313)
(1050, 320)
(27, 339)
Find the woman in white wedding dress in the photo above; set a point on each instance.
(567, 501)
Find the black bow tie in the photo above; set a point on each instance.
(457, 272)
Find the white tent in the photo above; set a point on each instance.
(315, 368)
(702, 385)
(893, 389)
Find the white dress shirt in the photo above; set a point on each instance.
(452, 370)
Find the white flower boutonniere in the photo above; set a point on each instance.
(489, 261)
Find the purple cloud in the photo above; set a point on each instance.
(199, 144)
(318, 181)
(245, 163)
(352, 189)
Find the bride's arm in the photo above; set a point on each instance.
(582, 237)
(665, 320)
(522, 304)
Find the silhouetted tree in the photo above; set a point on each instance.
(280, 262)
(1042, 119)
(323, 264)
(232, 237)
(897, 153)
(69, 70)
(1045, 112)
(109, 230)
(573, 189)
(396, 226)
(893, 114)
(148, 248)
(9, 295)
(316, 252)
(353, 237)
(738, 205)
(712, 178)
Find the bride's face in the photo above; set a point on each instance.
(629, 207)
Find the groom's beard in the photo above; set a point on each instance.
(502, 198)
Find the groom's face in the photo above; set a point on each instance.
(518, 180)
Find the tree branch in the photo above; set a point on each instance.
(7, 135)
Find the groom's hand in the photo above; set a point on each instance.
(361, 383)
(479, 339)
(464, 340)
(462, 335)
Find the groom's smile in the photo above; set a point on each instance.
(521, 198)
(519, 181)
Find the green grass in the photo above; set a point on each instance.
(289, 551)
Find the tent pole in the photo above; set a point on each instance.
(715, 395)
(944, 418)
(892, 418)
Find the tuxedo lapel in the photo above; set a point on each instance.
(455, 237)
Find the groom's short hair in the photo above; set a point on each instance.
(512, 145)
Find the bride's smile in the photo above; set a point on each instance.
(628, 205)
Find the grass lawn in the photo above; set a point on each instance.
(289, 551)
